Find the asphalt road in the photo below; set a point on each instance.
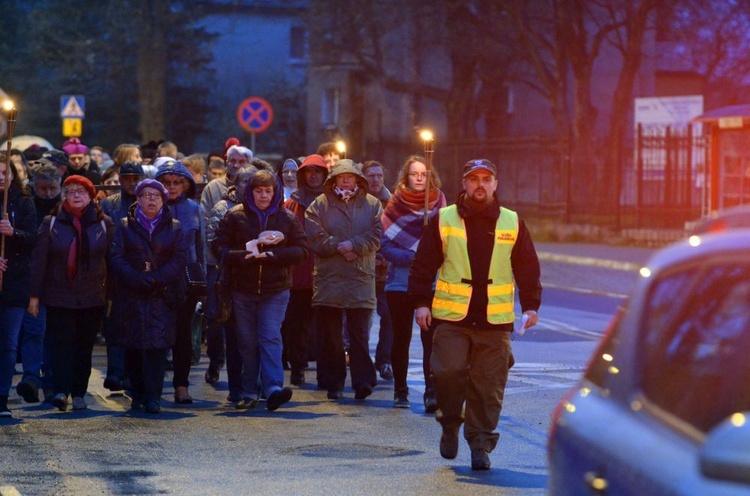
(312, 445)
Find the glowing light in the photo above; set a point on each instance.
(694, 240)
(584, 392)
(8, 105)
(636, 405)
(738, 419)
(570, 407)
(426, 135)
(607, 357)
(341, 146)
(645, 272)
(613, 370)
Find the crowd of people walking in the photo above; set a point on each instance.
(289, 265)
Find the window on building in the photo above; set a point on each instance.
(330, 107)
(298, 43)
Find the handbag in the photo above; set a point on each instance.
(196, 279)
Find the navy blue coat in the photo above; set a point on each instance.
(22, 216)
(145, 318)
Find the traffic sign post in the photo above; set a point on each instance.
(72, 112)
(254, 115)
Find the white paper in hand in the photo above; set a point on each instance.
(522, 328)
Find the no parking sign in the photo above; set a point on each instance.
(255, 114)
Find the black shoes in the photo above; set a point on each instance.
(113, 383)
(386, 372)
(480, 459)
(278, 398)
(297, 377)
(362, 392)
(28, 389)
(430, 403)
(247, 403)
(335, 394)
(401, 398)
(212, 374)
(60, 401)
(152, 406)
(449, 443)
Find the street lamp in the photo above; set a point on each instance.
(11, 113)
(341, 147)
(429, 150)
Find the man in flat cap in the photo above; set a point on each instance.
(479, 252)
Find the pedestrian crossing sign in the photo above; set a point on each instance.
(72, 107)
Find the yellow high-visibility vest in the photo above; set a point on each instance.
(454, 284)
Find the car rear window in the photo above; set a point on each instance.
(695, 341)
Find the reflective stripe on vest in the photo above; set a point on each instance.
(452, 296)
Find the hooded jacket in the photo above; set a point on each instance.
(328, 221)
(191, 215)
(244, 223)
(303, 196)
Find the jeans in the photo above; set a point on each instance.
(402, 316)
(72, 333)
(385, 337)
(331, 359)
(215, 348)
(10, 325)
(471, 366)
(33, 355)
(257, 321)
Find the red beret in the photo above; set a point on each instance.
(82, 181)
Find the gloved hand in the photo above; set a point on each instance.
(147, 282)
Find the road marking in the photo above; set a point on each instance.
(589, 261)
(584, 291)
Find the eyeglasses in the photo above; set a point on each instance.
(76, 192)
(418, 175)
(150, 196)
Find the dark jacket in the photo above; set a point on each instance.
(479, 223)
(49, 279)
(91, 174)
(117, 205)
(244, 223)
(141, 315)
(18, 248)
(329, 220)
(191, 215)
(303, 196)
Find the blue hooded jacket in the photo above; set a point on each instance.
(190, 214)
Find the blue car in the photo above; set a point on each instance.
(664, 405)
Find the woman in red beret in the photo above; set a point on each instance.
(69, 273)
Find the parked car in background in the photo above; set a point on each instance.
(722, 220)
(664, 405)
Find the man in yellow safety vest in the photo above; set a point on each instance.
(480, 252)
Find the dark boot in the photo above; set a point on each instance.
(4, 411)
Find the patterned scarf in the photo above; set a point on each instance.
(403, 218)
(148, 224)
(345, 194)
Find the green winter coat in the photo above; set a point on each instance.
(329, 221)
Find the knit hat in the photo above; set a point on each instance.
(152, 183)
(131, 168)
(74, 147)
(56, 157)
(230, 143)
(81, 181)
(290, 165)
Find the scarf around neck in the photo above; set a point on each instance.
(148, 224)
(345, 194)
(77, 245)
(403, 217)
